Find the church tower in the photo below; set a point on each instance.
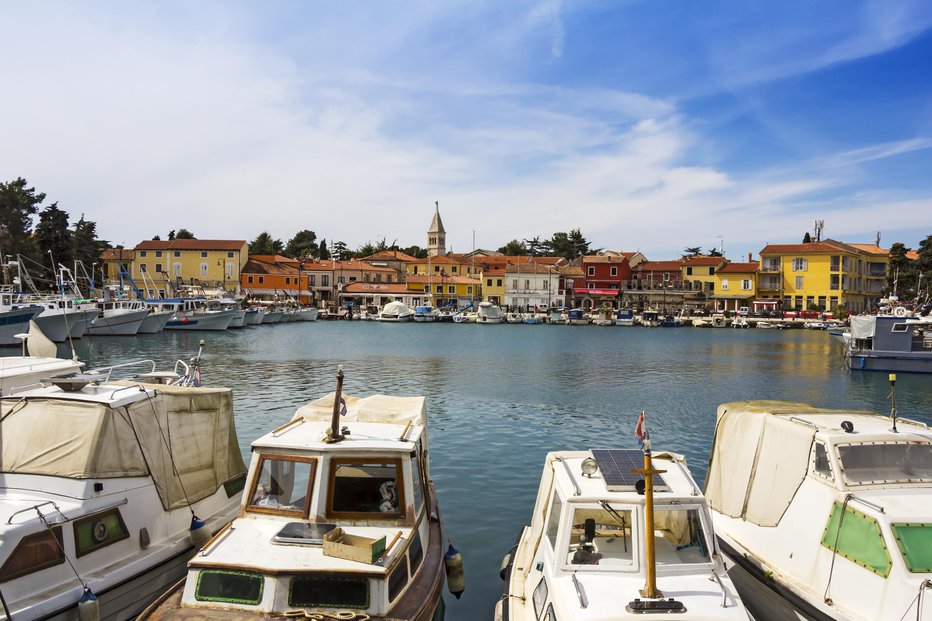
(436, 236)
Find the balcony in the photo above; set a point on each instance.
(770, 268)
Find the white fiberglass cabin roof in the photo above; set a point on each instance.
(375, 423)
(675, 482)
(112, 395)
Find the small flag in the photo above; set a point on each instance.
(342, 406)
(641, 432)
(197, 376)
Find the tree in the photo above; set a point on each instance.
(901, 272)
(580, 245)
(265, 244)
(85, 247)
(171, 235)
(156, 238)
(322, 253)
(535, 246)
(807, 238)
(185, 234)
(415, 251)
(340, 251)
(715, 252)
(924, 265)
(53, 236)
(694, 251)
(363, 251)
(18, 205)
(303, 244)
(514, 248)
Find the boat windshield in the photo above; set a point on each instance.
(283, 485)
(601, 535)
(678, 536)
(886, 462)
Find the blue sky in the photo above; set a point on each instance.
(651, 126)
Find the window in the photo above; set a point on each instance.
(799, 282)
(514, 284)
(249, 279)
(834, 282)
(711, 271)
(614, 271)
(229, 255)
(540, 597)
(158, 268)
(799, 265)
(602, 537)
(884, 462)
(397, 580)
(440, 289)
(488, 282)
(666, 277)
(261, 279)
(353, 278)
(454, 269)
(204, 268)
(915, 543)
(858, 538)
(418, 492)
(498, 283)
(689, 271)
(546, 285)
(341, 279)
(177, 253)
(312, 280)
(325, 280)
(329, 592)
(32, 553)
(451, 289)
(203, 254)
(98, 531)
(436, 268)
(366, 488)
(143, 267)
(143, 253)
(746, 285)
(283, 485)
(591, 271)
(229, 587)
(527, 284)
(158, 254)
(834, 264)
(468, 289)
(820, 462)
(229, 268)
(724, 285)
(554, 521)
(287, 280)
(416, 551)
(551, 615)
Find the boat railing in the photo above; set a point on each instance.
(108, 371)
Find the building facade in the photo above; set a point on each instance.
(205, 262)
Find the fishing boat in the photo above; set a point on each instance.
(489, 313)
(557, 316)
(827, 513)
(38, 362)
(117, 318)
(194, 314)
(669, 321)
(14, 317)
(740, 322)
(108, 489)
(589, 554)
(515, 317)
(576, 317)
(340, 520)
(395, 312)
(604, 316)
(305, 313)
(890, 343)
(254, 315)
(425, 314)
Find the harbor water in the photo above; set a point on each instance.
(500, 397)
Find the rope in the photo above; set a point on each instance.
(63, 553)
(341, 615)
(831, 569)
(168, 445)
(919, 600)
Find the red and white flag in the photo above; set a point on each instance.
(641, 432)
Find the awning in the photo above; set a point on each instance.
(598, 292)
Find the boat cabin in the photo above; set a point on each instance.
(327, 526)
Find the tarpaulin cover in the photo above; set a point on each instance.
(192, 427)
(860, 540)
(862, 326)
(759, 459)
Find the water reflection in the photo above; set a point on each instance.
(501, 397)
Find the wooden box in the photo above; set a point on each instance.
(353, 547)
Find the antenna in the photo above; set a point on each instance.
(877, 239)
(819, 225)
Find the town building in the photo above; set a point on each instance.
(275, 277)
(165, 265)
(327, 278)
(736, 287)
(493, 283)
(531, 284)
(113, 260)
(372, 296)
(443, 291)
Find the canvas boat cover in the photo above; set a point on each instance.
(862, 326)
(759, 459)
(188, 430)
(373, 409)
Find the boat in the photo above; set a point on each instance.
(117, 318)
(395, 312)
(38, 362)
(650, 318)
(576, 317)
(95, 521)
(625, 317)
(604, 316)
(557, 316)
(669, 321)
(532, 318)
(254, 316)
(229, 304)
(425, 314)
(890, 343)
(740, 322)
(59, 319)
(825, 512)
(769, 325)
(587, 555)
(193, 314)
(305, 313)
(718, 320)
(14, 317)
(340, 520)
(489, 313)
(515, 317)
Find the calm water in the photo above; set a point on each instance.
(500, 397)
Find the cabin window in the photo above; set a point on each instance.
(366, 487)
(600, 536)
(820, 462)
(34, 552)
(416, 482)
(679, 536)
(900, 327)
(553, 523)
(329, 592)
(915, 543)
(416, 550)
(282, 485)
(397, 580)
(229, 587)
(98, 531)
(551, 615)
(540, 597)
(858, 539)
(884, 462)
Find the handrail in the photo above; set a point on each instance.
(109, 369)
(867, 503)
(569, 473)
(580, 592)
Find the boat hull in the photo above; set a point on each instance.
(155, 322)
(118, 324)
(201, 321)
(897, 362)
(55, 327)
(15, 322)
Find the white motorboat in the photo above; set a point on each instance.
(229, 304)
(305, 313)
(740, 322)
(118, 318)
(489, 313)
(94, 518)
(254, 316)
(273, 314)
(625, 317)
(514, 317)
(588, 554)
(557, 317)
(533, 319)
(38, 362)
(718, 320)
(193, 314)
(14, 317)
(339, 521)
(767, 325)
(426, 314)
(465, 317)
(650, 319)
(603, 316)
(395, 312)
(827, 513)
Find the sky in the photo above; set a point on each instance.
(651, 125)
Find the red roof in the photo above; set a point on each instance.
(446, 280)
(116, 254)
(388, 288)
(739, 268)
(390, 255)
(659, 266)
(799, 248)
(703, 260)
(192, 244)
(871, 249)
(610, 258)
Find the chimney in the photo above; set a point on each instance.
(749, 257)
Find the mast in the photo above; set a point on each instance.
(650, 590)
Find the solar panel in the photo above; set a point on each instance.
(616, 466)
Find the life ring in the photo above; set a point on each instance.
(899, 311)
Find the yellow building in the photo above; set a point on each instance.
(448, 265)
(442, 291)
(824, 275)
(160, 265)
(698, 273)
(736, 287)
(493, 284)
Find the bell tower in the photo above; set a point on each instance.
(436, 235)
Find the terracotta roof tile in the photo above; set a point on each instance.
(192, 244)
(739, 268)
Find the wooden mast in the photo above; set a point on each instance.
(650, 589)
(335, 435)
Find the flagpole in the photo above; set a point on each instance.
(650, 590)
(335, 435)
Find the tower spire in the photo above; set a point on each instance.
(436, 234)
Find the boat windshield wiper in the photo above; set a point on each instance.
(619, 518)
